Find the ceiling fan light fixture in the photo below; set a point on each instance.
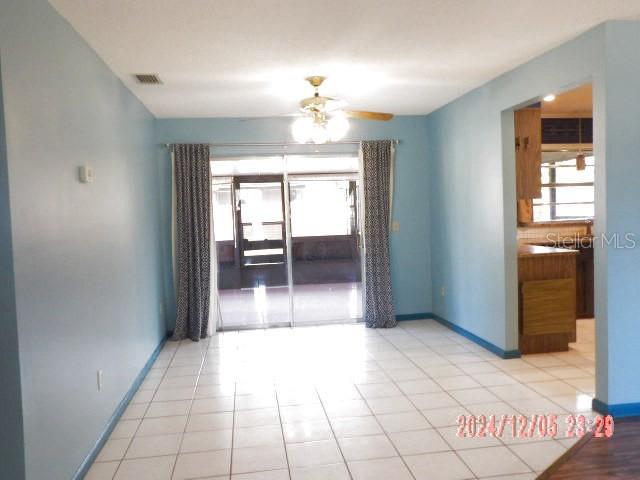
(337, 127)
(319, 133)
(324, 118)
(301, 129)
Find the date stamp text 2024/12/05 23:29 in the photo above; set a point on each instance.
(532, 426)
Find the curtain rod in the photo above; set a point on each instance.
(395, 141)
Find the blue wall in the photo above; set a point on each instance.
(618, 189)
(473, 190)
(11, 439)
(410, 249)
(86, 257)
(473, 207)
(91, 264)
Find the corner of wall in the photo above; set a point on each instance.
(11, 440)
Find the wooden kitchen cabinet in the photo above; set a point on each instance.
(528, 144)
(547, 300)
(584, 282)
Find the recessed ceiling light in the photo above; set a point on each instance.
(549, 98)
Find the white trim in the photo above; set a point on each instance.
(323, 176)
(215, 314)
(288, 238)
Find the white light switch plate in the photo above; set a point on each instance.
(86, 174)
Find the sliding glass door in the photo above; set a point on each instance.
(253, 286)
(288, 243)
(325, 248)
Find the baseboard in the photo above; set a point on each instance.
(506, 354)
(616, 410)
(113, 420)
(414, 316)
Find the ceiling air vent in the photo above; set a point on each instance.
(148, 78)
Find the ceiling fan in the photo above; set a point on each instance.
(325, 118)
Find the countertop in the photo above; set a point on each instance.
(534, 250)
(582, 241)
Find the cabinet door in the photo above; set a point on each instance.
(548, 306)
(525, 211)
(528, 153)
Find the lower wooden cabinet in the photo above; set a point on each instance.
(547, 300)
(584, 283)
(548, 315)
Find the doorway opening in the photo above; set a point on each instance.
(555, 178)
(288, 240)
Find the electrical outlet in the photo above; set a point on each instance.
(443, 291)
(395, 226)
(99, 378)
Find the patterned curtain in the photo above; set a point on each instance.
(193, 237)
(377, 167)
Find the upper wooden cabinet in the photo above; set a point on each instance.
(528, 144)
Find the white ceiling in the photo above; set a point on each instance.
(237, 58)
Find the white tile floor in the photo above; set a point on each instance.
(341, 402)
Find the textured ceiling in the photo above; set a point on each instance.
(237, 58)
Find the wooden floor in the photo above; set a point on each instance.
(601, 458)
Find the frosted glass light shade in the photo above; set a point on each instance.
(319, 133)
(304, 129)
(301, 129)
(337, 127)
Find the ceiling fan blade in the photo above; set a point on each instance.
(384, 117)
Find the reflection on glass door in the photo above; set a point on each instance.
(325, 249)
(287, 242)
(251, 247)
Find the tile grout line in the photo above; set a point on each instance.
(397, 347)
(454, 450)
(233, 413)
(502, 443)
(233, 424)
(508, 446)
(115, 473)
(386, 435)
(501, 371)
(284, 440)
(423, 415)
(193, 398)
(333, 433)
